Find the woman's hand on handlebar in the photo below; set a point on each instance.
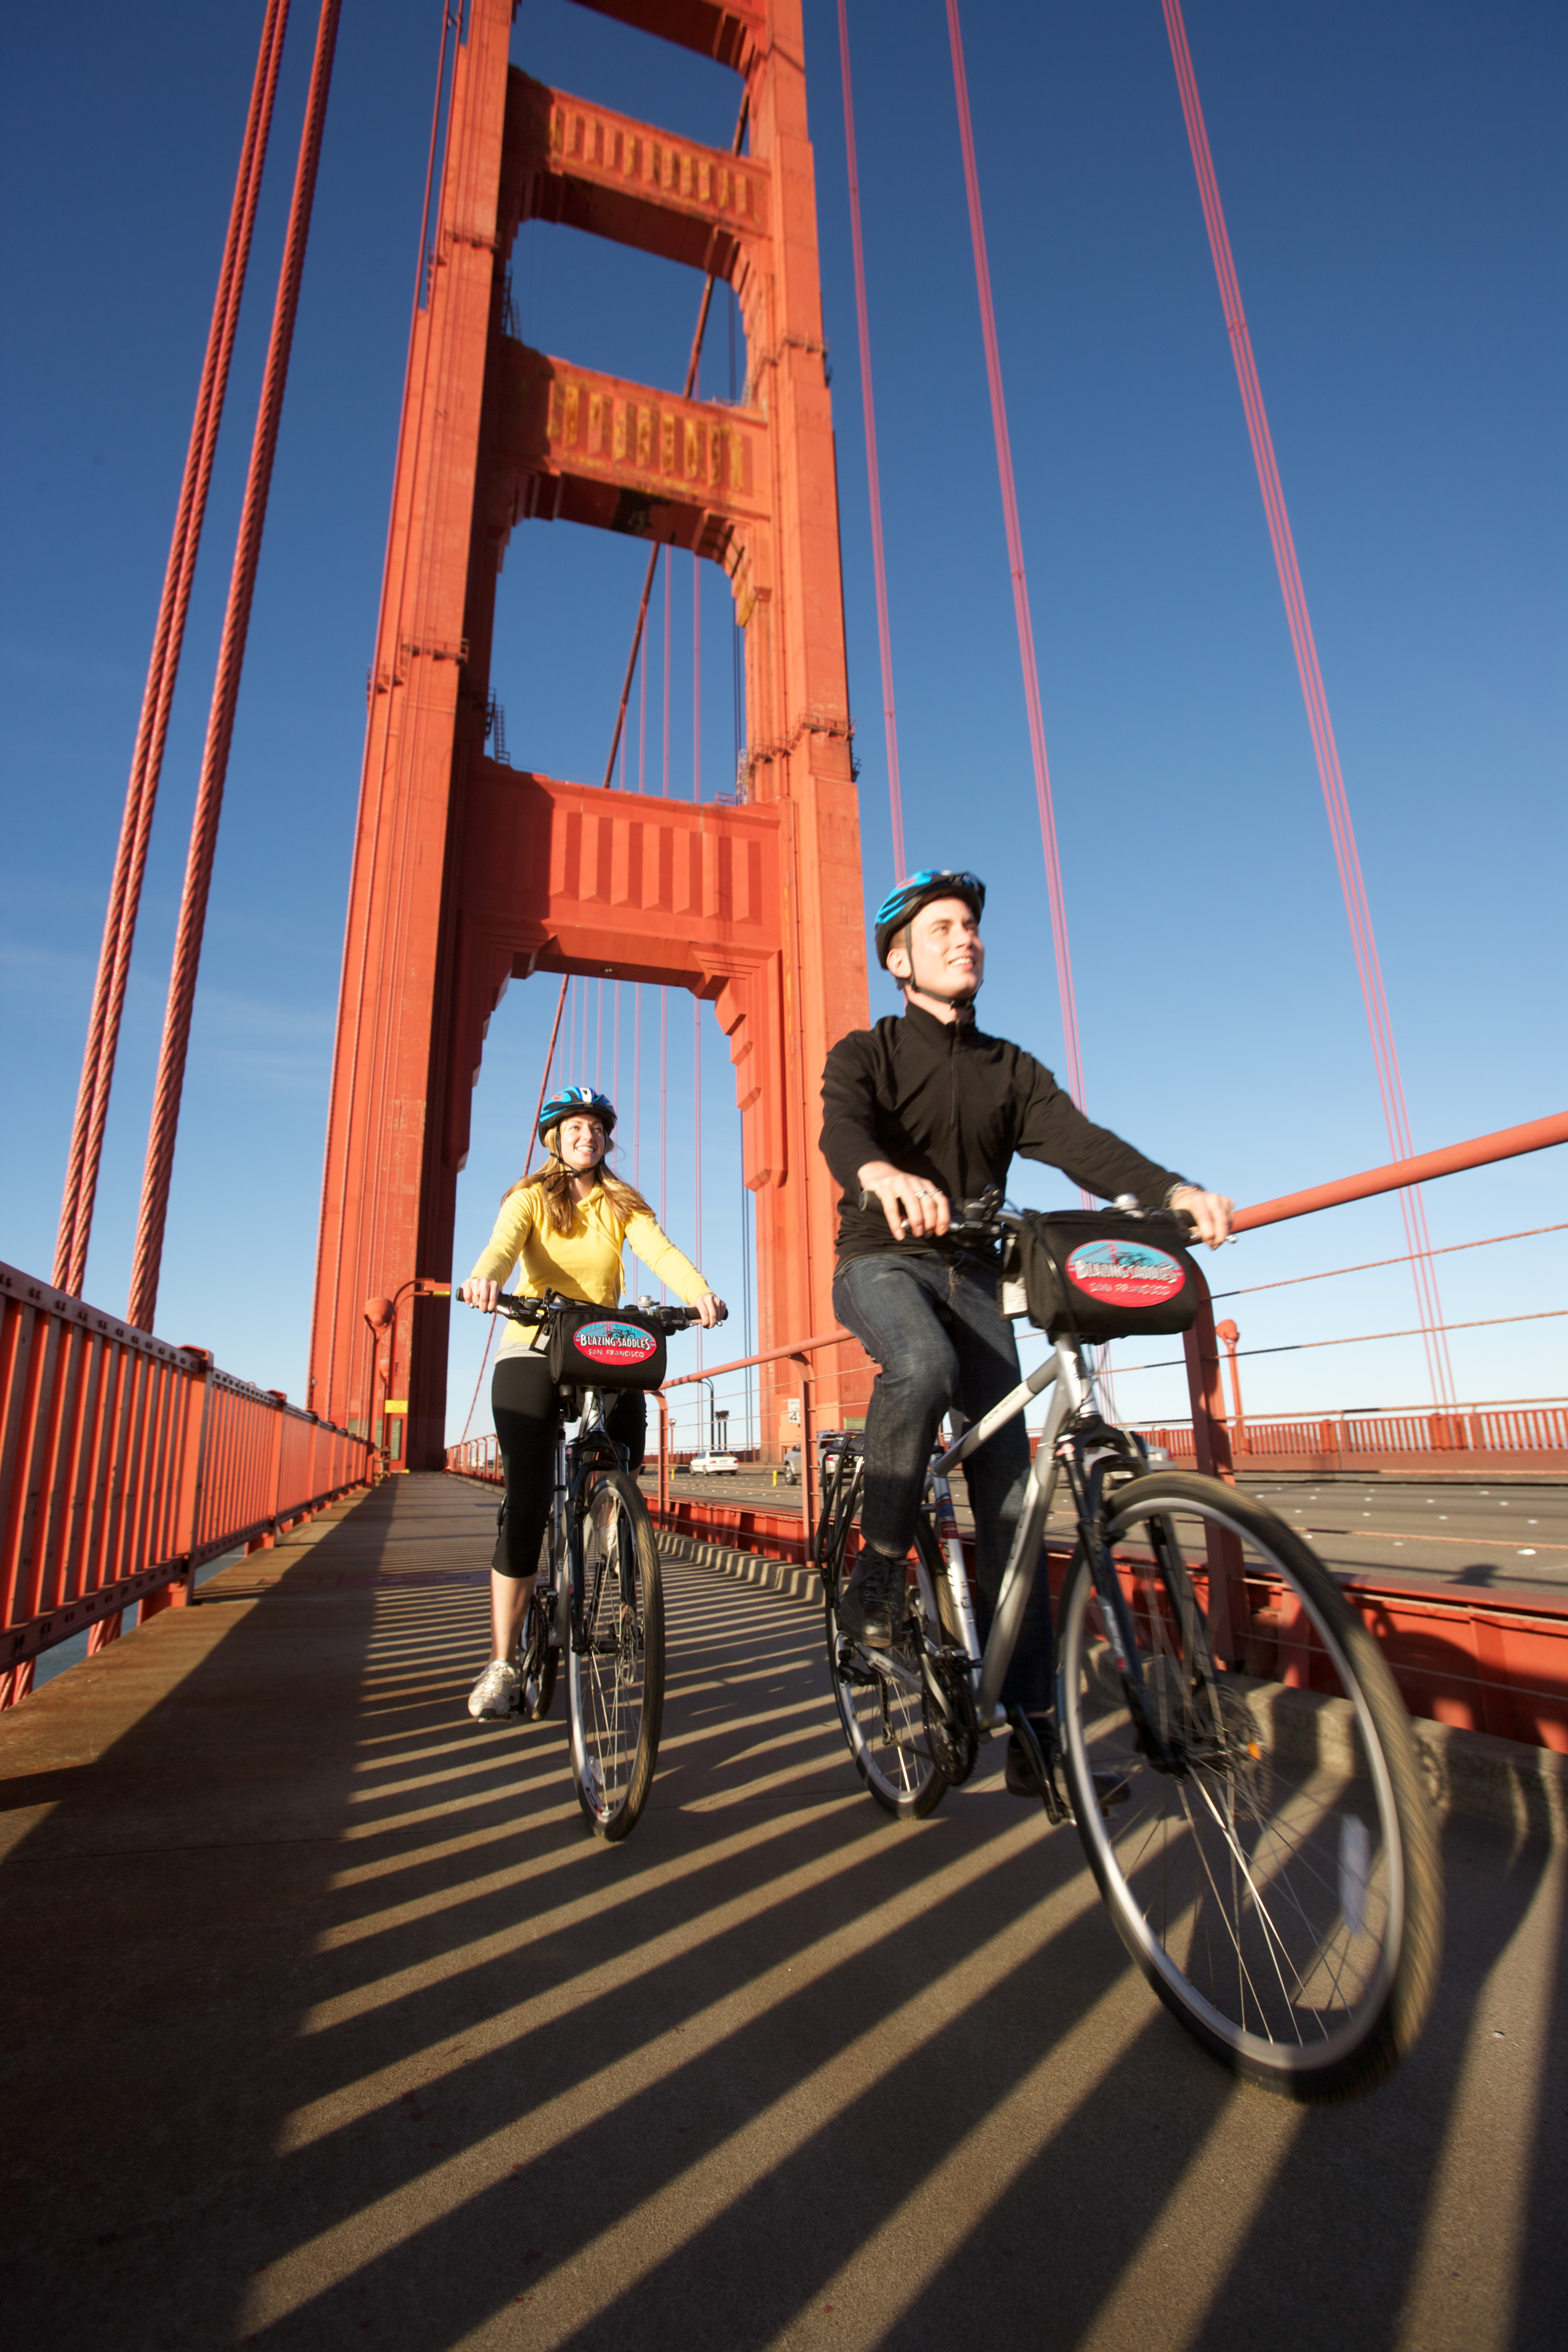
(912, 1207)
(482, 1295)
(710, 1309)
(1211, 1213)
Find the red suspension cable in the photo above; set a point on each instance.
(165, 1118)
(884, 635)
(1015, 565)
(162, 670)
(1313, 694)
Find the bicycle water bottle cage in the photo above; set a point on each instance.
(1092, 1274)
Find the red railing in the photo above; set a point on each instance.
(1469, 1441)
(126, 1465)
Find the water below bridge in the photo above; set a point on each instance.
(326, 2024)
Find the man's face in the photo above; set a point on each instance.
(582, 1143)
(944, 958)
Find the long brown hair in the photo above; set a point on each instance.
(553, 1184)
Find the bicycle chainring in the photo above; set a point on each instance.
(949, 1712)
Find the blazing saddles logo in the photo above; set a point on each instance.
(1125, 1274)
(616, 1344)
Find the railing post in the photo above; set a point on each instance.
(807, 1457)
(663, 1449)
(1230, 1616)
(192, 1479)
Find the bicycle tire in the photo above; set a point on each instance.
(615, 1667)
(538, 1643)
(1282, 1888)
(880, 1698)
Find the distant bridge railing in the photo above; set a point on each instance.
(126, 1465)
(1467, 1440)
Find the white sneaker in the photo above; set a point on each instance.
(594, 1783)
(495, 1693)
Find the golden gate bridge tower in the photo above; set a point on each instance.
(467, 873)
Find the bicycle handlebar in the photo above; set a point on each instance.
(519, 1309)
(987, 1217)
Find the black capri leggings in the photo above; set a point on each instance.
(525, 1401)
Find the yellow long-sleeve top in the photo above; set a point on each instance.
(585, 1263)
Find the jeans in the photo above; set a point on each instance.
(933, 1323)
(524, 1399)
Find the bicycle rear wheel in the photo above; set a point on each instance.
(538, 1646)
(615, 1674)
(1274, 1873)
(880, 1698)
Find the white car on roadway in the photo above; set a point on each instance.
(710, 1465)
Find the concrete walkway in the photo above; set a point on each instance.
(327, 2024)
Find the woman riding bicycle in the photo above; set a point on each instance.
(565, 1229)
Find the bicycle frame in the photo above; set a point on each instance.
(1066, 1370)
(592, 1449)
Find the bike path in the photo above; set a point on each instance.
(1452, 1534)
(328, 2024)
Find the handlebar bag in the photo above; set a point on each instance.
(1092, 1274)
(606, 1347)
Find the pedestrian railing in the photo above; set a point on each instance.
(126, 1465)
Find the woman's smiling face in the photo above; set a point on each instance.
(581, 1143)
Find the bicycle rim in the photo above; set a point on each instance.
(881, 1707)
(1280, 1886)
(614, 1680)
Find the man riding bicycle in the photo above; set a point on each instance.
(919, 1111)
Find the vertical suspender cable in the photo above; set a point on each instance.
(697, 1162)
(884, 636)
(696, 676)
(1015, 565)
(1314, 696)
(162, 670)
(225, 695)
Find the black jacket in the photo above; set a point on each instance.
(941, 1099)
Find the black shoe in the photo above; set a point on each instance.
(1019, 1772)
(871, 1605)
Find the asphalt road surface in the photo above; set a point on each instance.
(1511, 1538)
(328, 2025)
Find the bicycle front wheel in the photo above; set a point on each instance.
(1268, 1854)
(615, 1674)
(539, 1645)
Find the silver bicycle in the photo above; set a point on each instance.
(1225, 1735)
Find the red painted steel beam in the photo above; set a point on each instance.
(1506, 1143)
(162, 670)
(171, 1082)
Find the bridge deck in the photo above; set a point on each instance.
(327, 2024)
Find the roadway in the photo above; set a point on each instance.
(327, 2026)
(1436, 1532)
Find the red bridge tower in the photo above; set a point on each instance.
(466, 873)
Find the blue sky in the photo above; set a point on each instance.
(1394, 186)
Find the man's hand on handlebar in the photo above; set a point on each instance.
(912, 1207)
(710, 1309)
(1211, 1213)
(482, 1295)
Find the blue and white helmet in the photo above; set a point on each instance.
(577, 1102)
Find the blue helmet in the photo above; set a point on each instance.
(577, 1102)
(901, 906)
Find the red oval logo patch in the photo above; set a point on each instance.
(617, 1344)
(1125, 1274)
